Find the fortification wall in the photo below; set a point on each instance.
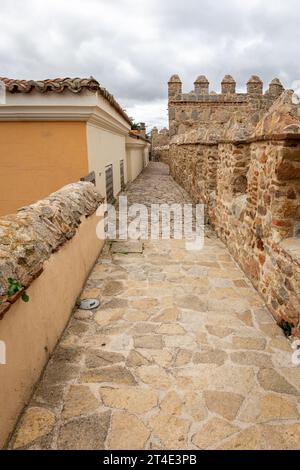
(160, 145)
(200, 107)
(249, 181)
(160, 154)
(159, 138)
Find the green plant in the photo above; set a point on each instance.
(135, 126)
(287, 327)
(15, 286)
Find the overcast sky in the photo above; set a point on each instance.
(132, 47)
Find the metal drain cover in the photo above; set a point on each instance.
(89, 304)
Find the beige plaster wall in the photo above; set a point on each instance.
(105, 147)
(136, 162)
(31, 330)
(147, 154)
(137, 153)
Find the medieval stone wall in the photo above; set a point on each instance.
(248, 177)
(200, 107)
(159, 138)
(160, 145)
(160, 154)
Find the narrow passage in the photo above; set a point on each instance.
(182, 354)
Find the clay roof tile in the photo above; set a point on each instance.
(59, 85)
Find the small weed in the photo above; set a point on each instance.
(15, 286)
(287, 327)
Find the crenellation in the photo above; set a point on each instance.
(174, 86)
(275, 88)
(254, 85)
(201, 85)
(228, 85)
(182, 106)
(160, 144)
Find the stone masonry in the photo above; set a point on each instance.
(201, 108)
(239, 154)
(29, 237)
(160, 145)
(181, 354)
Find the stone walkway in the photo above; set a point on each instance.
(182, 354)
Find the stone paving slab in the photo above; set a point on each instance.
(127, 247)
(182, 354)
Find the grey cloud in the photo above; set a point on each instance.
(132, 47)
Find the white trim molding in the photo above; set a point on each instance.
(94, 110)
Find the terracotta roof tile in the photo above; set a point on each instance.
(58, 85)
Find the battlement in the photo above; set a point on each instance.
(200, 107)
(159, 138)
(202, 93)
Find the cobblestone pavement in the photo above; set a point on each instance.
(182, 354)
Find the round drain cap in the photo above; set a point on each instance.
(89, 304)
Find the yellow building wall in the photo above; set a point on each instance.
(38, 158)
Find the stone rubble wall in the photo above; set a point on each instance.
(160, 154)
(160, 145)
(186, 115)
(159, 138)
(200, 107)
(251, 190)
(50, 248)
(29, 237)
(194, 167)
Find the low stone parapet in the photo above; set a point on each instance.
(46, 251)
(247, 176)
